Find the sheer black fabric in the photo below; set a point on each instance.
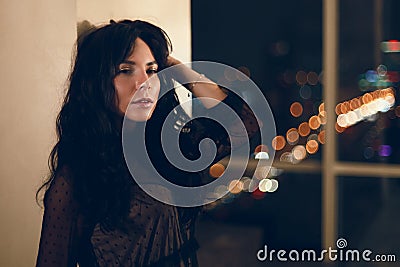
(154, 233)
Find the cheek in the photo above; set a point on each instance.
(156, 91)
(123, 95)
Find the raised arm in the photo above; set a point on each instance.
(209, 93)
(224, 126)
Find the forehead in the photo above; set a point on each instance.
(141, 51)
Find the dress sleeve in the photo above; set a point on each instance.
(59, 227)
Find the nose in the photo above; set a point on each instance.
(144, 87)
(142, 77)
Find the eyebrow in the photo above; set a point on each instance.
(134, 63)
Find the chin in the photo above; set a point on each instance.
(139, 116)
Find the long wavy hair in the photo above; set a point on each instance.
(89, 125)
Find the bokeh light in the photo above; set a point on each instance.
(221, 190)
(369, 152)
(265, 185)
(321, 137)
(286, 157)
(288, 77)
(355, 103)
(257, 194)
(305, 92)
(217, 170)
(397, 111)
(261, 148)
(321, 107)
(322, 117)
(354, 111)
(261, 172)
(292, 136)
(371, 76)
(275, 172)
(230, 74)
(382, 70)
(366, 98)
(385, 150)
(299, 152)
(235, 186)
(296, 109)
(304, 129)
(344, 107)
(246, 183)
(245, 71)
(278, 142)
(314, 122)
(363, 84)
(339, 128)
(312, 146)
(312, 78)
(312, 137)
(262, 155)
(275, 185)
(342, 120)
(301, 77)
(338, 109)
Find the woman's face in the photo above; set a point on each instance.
(136, 83)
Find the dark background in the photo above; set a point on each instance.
(271, 38)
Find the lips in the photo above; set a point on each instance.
(143, 102)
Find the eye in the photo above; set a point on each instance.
(152, 71)
(125, 70)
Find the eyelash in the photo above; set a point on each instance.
(130, 71)
(125, 71)
(151, 71)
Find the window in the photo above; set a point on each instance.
(309, 57)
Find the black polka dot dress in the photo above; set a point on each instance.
(153, 234)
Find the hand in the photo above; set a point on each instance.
(171, 61)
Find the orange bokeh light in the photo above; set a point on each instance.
(338, 128)
(217, 170)
(321, 107)
(296, 109)
(321, 137)
(322, 117)
(312, 146)
(338, 109)
(292, 136)
(304, 129)
(235, 186)
(343, 108)
(261, 148)
(366, 98)
(355, 103)
(278, 142)
(314, 122)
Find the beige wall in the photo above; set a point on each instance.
(36, 43)
(171, 15)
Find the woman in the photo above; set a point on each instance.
(95, 213)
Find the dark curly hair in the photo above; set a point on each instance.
(89, 145)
